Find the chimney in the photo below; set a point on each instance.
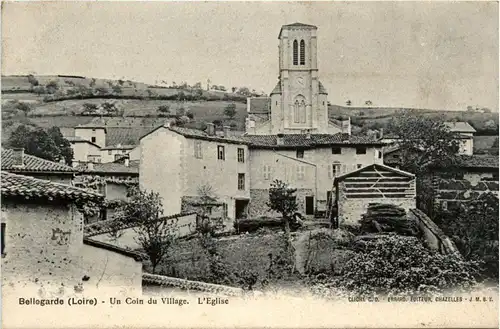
(308, 134)
(210, 129)
(90, 165)
(280, 139)
(126, 160)
(346, 126)
(18, 157)
(381, 133)
(226, 130)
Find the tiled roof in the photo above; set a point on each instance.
(112, 168)
(32, 163)
(98, 244)
(198, 134)
(461, 127)
(106, 226)
(29, 187)
(277, 89)
(78, 139)
(120, 147)
(322, 89)
(478, 161)
(127, 135)
(301, 140)
(165, 281)
(299, 25)
(259, 105)
(377, 166)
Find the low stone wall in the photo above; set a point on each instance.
(434, 237)
(454, 190)
(126, 237)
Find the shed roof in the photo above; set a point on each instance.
(374, 166)
(31, 163)
(460, 127)
(122, 251)
(303, 140)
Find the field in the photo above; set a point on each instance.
(143, 112)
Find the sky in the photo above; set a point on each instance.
(441, 55)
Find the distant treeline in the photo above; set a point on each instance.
(181, 96)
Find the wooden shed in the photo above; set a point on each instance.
(374, 183)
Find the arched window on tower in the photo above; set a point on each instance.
(299, 109)
(302, 110)
(296, 112)
(302, 52)
(295, 53)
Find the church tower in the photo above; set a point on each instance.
(299, 101)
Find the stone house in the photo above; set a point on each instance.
(18, 162)
(114, 152)
(84, 150)
(112, 179)
(95, 133)
(179, 162)
(463, 132)
(43, 245)
(376, 183)
(307, 162)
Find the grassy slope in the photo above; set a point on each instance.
(65, 113)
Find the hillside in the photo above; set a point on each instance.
(137, 104)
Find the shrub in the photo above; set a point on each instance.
(395, 264)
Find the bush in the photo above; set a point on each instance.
(395, 264)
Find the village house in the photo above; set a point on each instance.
(43, 246)
(463, 131)
(112, 179)
(114, 152)
(376, 183)
(18, 162)
(84, 150)
(94, 133)
(183, 164)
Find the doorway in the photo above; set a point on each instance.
(241, 209)
(309, 205)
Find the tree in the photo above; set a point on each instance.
(32, 80)
(190, 114)
(64, 146)
(470, 109)
(485, 110)
(233, 89)
(283, 200)
(197, 85)
(49, 145)
(92, 82)
(244, 91)
(180, 111)
(25, 107)
(89, 108)
(424, 142)
(222, 88)
(52, 87)
(117, 89)
(230, 110)
(348, 102)
(39, 90)
(164, 109)
(110, 108)
(102, 90)
(368, 103)
(155, 235)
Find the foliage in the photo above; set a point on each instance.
(52, 87)
(164, 109)
(32, 80)
(89, 108)
(49, 145)
(255, 224)
(116, 89)
(230, 110)
(400, 265)
(156, 236)
(474, 229)
(424, 142)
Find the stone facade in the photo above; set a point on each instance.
(96, 135)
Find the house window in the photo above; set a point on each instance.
(267, 172)
(241, 155)
(93, 131)
(336, 150)
(224, 209)
(360, 150)
(302, 52)
(241, 182)
(359, 166)
(335, 171)
(221, 153)
(300, 154)
(301, 172)
(92, 139)
(379, 154)
(124, 151)
(295, 52)
(197, 150)
(3, 237)
(109, 152)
